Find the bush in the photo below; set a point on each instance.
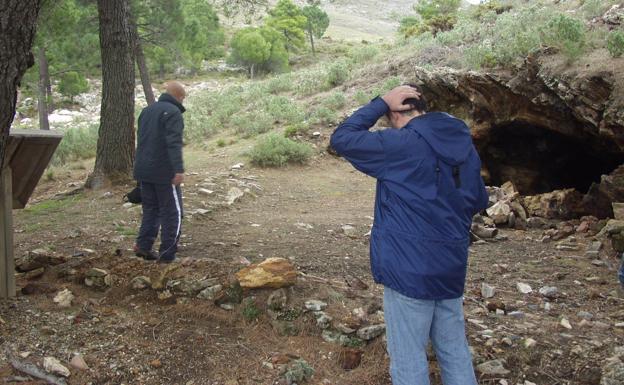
(249, 124)
(311, 82)
(363, 53)
(615, 43)
(276, 151)
(296, 129)
(78, 143)
(323, 115)
(337, 74)
(335, 101)
(279, 84)
(72, 84)
(283, 109)
(567, 34)
(362, 97)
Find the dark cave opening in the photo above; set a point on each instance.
(538, 160)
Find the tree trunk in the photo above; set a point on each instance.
(44, 73)
(18, 20)
(142, 65)
(311, 39)
(42, 99)
(116, 137)
(161, 72)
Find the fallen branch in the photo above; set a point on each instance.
(34, 371)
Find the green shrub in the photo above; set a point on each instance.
(337, 73)
(296, 129)
(276, 151)
(279, 84)
(362, 97)
(363, 53)
(311, 82)
(250, 310)
(323, 116)
(335, 101)
(389, 84)
(409, 26)
(298, 372)
(250, 124)
(615, 43)
(78, 143)
(283, 109)
(595, 8)
(221, 143)
(566, 33)
(72, 84)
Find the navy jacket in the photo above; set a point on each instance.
(429, 186)
(159, 142)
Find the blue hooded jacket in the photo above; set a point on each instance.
(429, 186)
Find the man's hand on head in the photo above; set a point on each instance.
(177, 179)
(395, 98)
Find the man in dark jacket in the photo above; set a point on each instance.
(429, 187)
(160, 170)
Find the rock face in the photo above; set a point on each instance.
(273, 273)
(545, 126)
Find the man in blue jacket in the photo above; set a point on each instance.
(160, 170)
(429, 186)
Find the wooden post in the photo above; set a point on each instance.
(7, 259)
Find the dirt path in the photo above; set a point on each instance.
(134, 337)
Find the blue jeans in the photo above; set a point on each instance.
(410, 324)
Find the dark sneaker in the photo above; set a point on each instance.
(147, 255)
(165, 261)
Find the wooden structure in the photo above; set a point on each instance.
(28, 153)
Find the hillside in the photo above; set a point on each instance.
(542, 302)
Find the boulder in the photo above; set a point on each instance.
(499, 212)
(64, 298)
(98, 278)
(558, 204)
(271, 273)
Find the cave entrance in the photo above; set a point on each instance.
(538, 160)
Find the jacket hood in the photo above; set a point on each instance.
(170, 99)
(448, 136)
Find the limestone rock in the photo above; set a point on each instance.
(141, 282)
(483, 232)
(499, 212)
(78, 362)
(64, 298)
(54, 366)
(559, 204)
(315, 305)
(233, 195)
(349, 231)
(272, 272)
(367, 333)
(487, 291)
(277, 300)
(98, 278)
(494, 367)
(190, 286)
(524, 288)
(210, 293)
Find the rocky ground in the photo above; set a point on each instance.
(541, 307)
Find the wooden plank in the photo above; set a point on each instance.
(7, 258)
(30, 155)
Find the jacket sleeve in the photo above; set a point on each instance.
(174, 126)
(362, 148)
